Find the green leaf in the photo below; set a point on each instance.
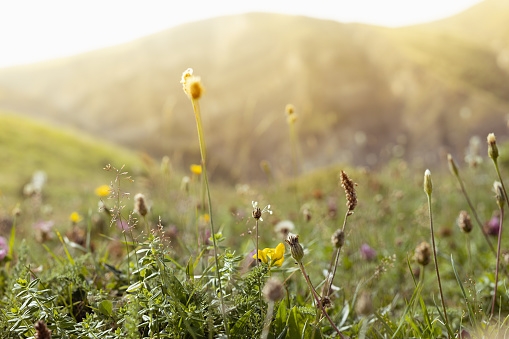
(239, 325)
(297, 325)
(281, 316)
(106, 307)
(134, 286)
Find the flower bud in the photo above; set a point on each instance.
(452, 165)
(499, 191)
(492, 147)
(428, 185)
(295, 248)
(423, 253)
(464, 222)
(139, 204)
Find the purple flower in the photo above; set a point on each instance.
(492, 226)
(4, 247)
(367, 253)
(122, 225)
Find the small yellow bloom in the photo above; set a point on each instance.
(204, 218)
(272, 256)
(196, 169)
(102, 191)
(75, 217)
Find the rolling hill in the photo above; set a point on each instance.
(364, 94)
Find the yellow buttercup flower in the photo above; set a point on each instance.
(75, 217)
(102, 191)
(196, 169)
(272, 256)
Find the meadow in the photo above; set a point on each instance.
(107, 244)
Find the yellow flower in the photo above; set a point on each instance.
(196, 169)
(204, 218)
(75, 217)
(102, 191)
(272, 256)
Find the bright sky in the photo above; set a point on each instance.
(35, 30)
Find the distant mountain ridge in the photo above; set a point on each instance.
(364, 94)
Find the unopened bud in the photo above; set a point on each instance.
(295, 248)
(492, 147)
(423, 253)
(452, 165)
(428, 185)
(499, 191)
(139, 204)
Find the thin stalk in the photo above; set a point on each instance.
(472, 209)
(196, 108)
(436, 261)
(498, 258)
(268, 319)
(467, 235)
(501, 182)
(334, 263)
(317, 299)
(257, 264)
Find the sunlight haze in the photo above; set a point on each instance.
(32, 31)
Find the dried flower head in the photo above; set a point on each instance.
(257, 211)
(464, 222)
(191, 84)
(41, 330)
(499, 193)
(140, 206)
(428, 185)
(338, 239)
(492, 147)
(452, 165)
(423, 253)
(284, 227)
(349, 187)
(273, 290)
(295, 248)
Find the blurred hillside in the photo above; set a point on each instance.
(364, 94)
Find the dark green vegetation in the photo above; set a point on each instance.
(377, 92)
(87, 286)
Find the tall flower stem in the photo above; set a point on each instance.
(472, 209)
(197, 113)
(498, 258)
(317, 299)
(257, 264)
(435, 258)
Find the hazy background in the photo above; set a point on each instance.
(370, 80)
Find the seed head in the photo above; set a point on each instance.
(273, 290)
(349, 187)
(257, 211)
(423, 253)
(452, 165)
(428, 185)
(289, 109)
(499, 192)
(338, 239)
(464, 222)
(41, 330)
(492, 147)
(140, 206)
(191, 84)
(295, 248)
(284, 227)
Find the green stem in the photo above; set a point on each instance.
(259, 276)
(196, 108)
(436, 261)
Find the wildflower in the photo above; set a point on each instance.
(191, 84)
(102, 191)
(289, 109)
(122, 225)
(428, 185)
(367, 253)
(257, 211)
(492, 226)
(273, 290)
(349, 187)
(184, 185)
(272, 256)
(195, 169)
(492, 147)
(75, 217)
(423, 253)
(284, 228)
(295, 248)
(338, 239)
(43, 230)
(4, 248)
(140, 206)
(41, 330)
(205, 218)
(452, 165)
(464, 222)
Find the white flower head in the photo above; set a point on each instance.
(257, 211)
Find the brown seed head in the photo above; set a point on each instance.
(295, 248)
(41, 330)
(464, 222)
(140, 206)
(257, 212)
(338, 239)
(273, 290)
(191, 84)
(349, 187)
(423, 253)
(492, 146)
